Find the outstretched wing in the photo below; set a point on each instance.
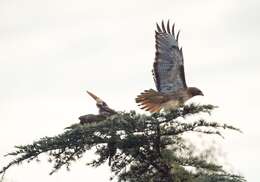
(168, 68)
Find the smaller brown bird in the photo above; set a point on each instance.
(104, 111)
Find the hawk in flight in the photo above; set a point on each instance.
(168, 74)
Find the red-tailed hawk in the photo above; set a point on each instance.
(168, 74)
(104, 111)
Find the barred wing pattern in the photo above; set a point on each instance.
(168, 68)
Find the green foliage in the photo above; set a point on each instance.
(145, 148)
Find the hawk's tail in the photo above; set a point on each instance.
(149, 100)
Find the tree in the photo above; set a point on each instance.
(139, 147)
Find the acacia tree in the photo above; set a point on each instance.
(139, 147)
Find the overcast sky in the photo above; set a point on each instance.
(52, 51)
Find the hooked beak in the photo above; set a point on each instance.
(201, 94)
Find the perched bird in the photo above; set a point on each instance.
(102, 106)
(168, 73)
(104, 111)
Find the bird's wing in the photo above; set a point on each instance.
(90, 118)
(168, 68)
(102, 105)
(107, 109)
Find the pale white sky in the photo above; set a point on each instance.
(52, 51)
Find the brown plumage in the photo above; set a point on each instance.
(104, 111)
(168, 73)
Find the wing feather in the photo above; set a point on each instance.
(168, 68)
(168, 27)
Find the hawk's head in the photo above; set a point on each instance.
(193, 91)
